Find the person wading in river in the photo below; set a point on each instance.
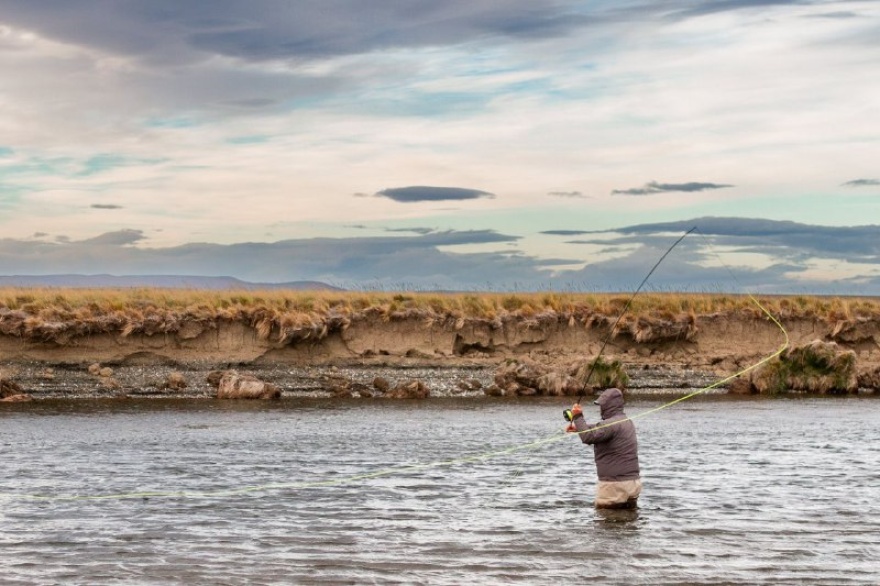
(615, 448)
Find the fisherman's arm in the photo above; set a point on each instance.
(589, 433)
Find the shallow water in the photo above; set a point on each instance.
(759, 491)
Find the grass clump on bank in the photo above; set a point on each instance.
(817, 367)
(53, 314)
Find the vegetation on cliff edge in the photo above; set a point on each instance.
(57, 315)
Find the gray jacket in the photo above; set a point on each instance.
(615, 446)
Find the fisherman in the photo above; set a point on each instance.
(615, 448)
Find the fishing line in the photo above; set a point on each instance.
(524, 461)
(625, 308)
(292, 485)
(556, 436)
(782, 348)
(613, 328)
(418, 467)
(718, 383)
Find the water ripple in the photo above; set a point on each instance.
(736, 492)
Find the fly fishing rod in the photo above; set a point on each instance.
(625, 309)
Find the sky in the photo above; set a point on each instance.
(498, 145)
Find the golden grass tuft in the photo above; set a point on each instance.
(58, 314)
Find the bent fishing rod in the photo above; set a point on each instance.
(625, 309)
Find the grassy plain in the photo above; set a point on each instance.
(68, 302)
(53, 313)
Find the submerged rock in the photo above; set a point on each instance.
(233, 385)
(343, 388)
(214, 377)
(9, 388)
(175, 381)
(11, 392)
(110, 383)
(19, 398)
(414, 389)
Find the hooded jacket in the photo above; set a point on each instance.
(614, 442)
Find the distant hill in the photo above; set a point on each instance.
(163, 281)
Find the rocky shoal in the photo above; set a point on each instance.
(40, 381)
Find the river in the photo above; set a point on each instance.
(736, 491)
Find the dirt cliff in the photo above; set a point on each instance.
(696, 346)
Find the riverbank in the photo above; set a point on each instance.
(308, 343)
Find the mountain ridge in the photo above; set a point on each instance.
(74, 280)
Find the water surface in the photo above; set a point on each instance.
(736, 491)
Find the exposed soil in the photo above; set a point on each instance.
(452, 359)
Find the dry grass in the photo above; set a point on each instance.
(57, 315)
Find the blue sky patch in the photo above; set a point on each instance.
(172, 122)
(107, 162)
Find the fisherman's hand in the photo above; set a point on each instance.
(572, 428)
(570, 414)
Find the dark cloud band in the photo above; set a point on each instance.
(655, 187)
(564, 232)
(427, 193)
(573, 194)
(421, 261)
(862, 183)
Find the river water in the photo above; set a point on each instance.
(736, 491)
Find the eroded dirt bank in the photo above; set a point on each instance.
(450, 356)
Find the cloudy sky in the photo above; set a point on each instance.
(473, 144)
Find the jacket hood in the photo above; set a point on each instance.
(610, 402)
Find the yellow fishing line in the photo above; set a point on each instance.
(717, 383)
(404, 468)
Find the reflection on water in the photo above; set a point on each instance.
(310, 492)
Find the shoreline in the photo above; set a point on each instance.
(449, 380)
(316, 382)
(309, 344)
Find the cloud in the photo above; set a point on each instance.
(215, 116)
(427, 193)
(782, 239)
(707, 7)
(834, 15)
(267, 30)
(797, 258)
(571, 194)
(411, 230)
(105, 206)
(862, 183)
(800, 258)
(654, 187)
(118, 238)
(392, 261)
(564, 232)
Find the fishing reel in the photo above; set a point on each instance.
(570, 414)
